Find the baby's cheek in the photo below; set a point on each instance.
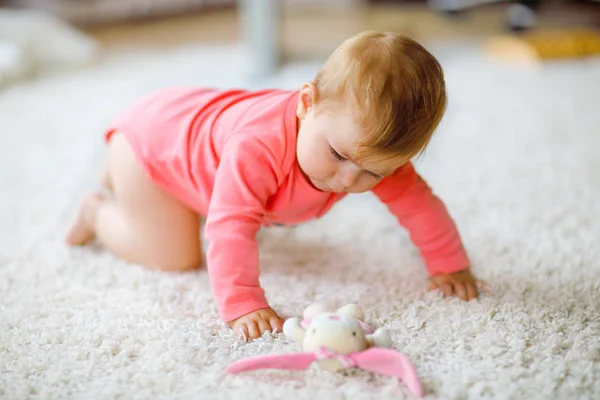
(319, 167)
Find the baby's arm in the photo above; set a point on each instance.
(431, 229)
(246, 178)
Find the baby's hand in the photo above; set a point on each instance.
(461, 283)
(253, 325)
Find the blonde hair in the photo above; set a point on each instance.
(395, 87)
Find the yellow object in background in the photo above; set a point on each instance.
(544, 45)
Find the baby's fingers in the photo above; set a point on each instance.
(241, 331)
(432, 286)
(253, 330)
(276, 324)
(471, 291)
(461, 291)
(447, 289)
(264, 326)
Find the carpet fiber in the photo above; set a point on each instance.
(516, 161)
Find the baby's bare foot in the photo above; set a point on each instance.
(82, 231)
(253, 325)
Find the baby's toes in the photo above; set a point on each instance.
(81, 232)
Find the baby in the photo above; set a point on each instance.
(247, 159)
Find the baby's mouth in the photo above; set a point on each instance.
(330, 189)
(320, 185)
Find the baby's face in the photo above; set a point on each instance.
(326, 152)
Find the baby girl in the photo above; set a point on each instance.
(247, 159)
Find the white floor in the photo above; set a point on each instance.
(517, 161)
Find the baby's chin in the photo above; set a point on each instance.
(324, 187)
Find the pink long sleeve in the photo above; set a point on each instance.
(247, 176)
(427, 220)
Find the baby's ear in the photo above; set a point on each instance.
(352, 310)
(293, 330)
(306, 99)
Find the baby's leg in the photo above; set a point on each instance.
(139, 222)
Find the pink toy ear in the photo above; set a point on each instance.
(390, 362)
(294, 361)
(366, 328)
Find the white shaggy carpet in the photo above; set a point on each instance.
(517, 161)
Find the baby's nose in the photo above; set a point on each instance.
(350, 176)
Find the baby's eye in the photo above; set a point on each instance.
(336, 154)
(374, 175)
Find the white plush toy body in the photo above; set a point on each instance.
(340, 332)
(336, 341)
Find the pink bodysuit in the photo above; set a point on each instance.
(231, 156)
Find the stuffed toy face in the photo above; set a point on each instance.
(339, 333)
(342, 331)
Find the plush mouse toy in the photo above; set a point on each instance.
(336, 341)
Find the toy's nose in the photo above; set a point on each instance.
(334, 317)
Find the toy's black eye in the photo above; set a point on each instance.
(314, 330)
(353, 333)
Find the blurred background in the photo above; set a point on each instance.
(516, 160)
(292, 30)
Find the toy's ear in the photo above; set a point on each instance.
(293, 330)
(381, 338)
(313, 310)
(352, 310)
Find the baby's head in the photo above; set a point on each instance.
(372, 107)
